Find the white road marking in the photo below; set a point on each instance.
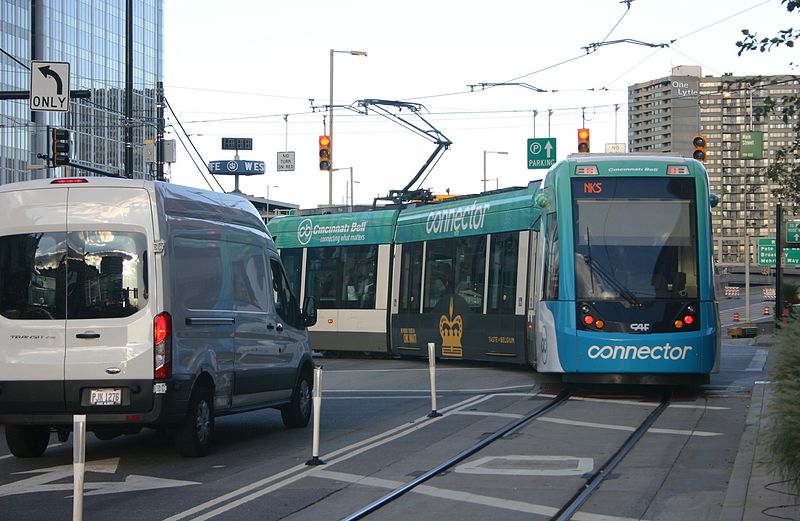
(759, 361)
(492, 465)
(498, 414)
(45, 480)
(227, 500)
(645, 404)
(626, 428)
(497, 390)
(464, 497)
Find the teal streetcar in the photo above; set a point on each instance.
(602, 273)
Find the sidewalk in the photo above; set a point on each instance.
(754, 493)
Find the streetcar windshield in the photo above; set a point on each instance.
(635, 238)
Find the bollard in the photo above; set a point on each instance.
(432, 367)
(78, 464)
(317, 403)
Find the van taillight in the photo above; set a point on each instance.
(162, 345)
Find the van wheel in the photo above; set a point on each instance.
(296, 414)
(193, 435)
(27, 441)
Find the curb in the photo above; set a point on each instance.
(736, 496)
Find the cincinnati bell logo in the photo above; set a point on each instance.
(451, 329)
(304, 231)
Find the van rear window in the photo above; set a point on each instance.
(91, 274)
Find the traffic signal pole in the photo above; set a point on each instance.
(778, 266)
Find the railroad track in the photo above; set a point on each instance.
(569, 508)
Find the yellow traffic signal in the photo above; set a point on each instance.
(60, 144)
(699, 147)
(583, 140)
(324, 152)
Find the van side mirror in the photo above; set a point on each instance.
(309, 311)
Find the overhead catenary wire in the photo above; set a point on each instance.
(178, 121)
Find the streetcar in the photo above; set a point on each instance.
(603, 272)
(627, 276)
(344, 259)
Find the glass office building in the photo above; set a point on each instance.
(91, 36)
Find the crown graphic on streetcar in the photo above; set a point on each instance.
(451, 330)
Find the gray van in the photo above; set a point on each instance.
(142, 304)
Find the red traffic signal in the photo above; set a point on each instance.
(583, 140)
(324, 152)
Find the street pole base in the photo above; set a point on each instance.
(315, 461)
(434, 414)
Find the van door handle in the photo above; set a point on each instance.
(209, 321)
(87, 335)
(270, 326)
(279, 327)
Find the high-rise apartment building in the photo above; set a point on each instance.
(664, 114)
(91, 36)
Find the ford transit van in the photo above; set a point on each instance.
(142, 304)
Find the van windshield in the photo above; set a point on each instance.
(91, 274)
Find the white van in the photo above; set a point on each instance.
(142, 304)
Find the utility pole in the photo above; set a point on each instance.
(129, 89)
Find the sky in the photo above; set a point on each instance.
(261, 69)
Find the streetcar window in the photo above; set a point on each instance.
(292, 259)
(410, 278)
(342, 277)
(551, 259)
(455, 268)
(636, 240)
(503, 273)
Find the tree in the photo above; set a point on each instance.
(784, 170)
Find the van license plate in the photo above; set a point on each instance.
(105, 397)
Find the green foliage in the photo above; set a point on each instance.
(783, 433)
(784, 169)
(789, 291)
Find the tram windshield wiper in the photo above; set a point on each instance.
(607, 277)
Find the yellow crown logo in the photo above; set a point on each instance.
(451, 329)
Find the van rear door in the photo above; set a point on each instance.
(32, 318)
(109, 288)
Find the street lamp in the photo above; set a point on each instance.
(484, 164)
(268, 187)
(351, 182)
(330, 123)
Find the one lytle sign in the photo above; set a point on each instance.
(49, 86)
(541, 152)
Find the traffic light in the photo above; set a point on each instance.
(61, 145)
(324, 152)
(699, 147)
(583, 140)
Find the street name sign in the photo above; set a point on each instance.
(285, 161)
(236, 167)
(49, 86)
(751, 145)
(767, 255)
(541, 152)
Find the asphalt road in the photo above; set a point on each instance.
(375, 435)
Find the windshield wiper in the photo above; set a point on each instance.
(623, 291)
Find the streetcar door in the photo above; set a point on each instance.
(533, 297)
